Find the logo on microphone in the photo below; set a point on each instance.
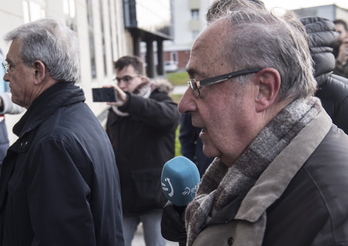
(189, 191)
(164, 187)
(170, 189)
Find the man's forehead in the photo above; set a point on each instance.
(339, 27)
(213, 38)
(13, 52)
(126, 69)
(216, 30)
(207, 50)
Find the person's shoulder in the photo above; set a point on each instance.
(328, 166)
(162, 86)
(334, 146)
(335, 88)
(314, 200)
(326, 188)
(340, 81)
(65, 122)
(161, 96)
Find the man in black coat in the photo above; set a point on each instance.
(59, 183)
(6, 107)
(141, 125)
(332, 89)
(341, 48)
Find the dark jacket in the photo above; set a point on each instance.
(4, 142)
(341, 70)
(313, 208)
(332, 89)
(143, 142)
(8, 107)
(296, 201)
(59, 183)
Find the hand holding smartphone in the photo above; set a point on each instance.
(106, 94)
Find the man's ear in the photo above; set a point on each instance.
(269, 82)
(39, 71)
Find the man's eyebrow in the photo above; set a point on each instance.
(194, 73)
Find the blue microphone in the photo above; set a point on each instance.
(180, 178)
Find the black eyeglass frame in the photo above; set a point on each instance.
(128, 80)
(197, 84)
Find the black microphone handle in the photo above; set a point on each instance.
(179, 209)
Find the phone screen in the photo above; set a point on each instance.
(104, 94)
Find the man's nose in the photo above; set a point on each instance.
(187, 102)
(122, 84)
(6, 77)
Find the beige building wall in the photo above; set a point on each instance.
(116, 39)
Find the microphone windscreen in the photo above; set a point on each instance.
(180, 178)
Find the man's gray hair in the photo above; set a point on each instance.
(52, 43)
(220, 8)
(260, 39)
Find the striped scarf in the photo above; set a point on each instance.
(222, 185)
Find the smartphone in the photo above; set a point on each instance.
(104, 94)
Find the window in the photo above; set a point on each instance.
(173, 56)
(91, 38)
(195, 14)
(33, 10)
(101, 9)
(110, 30)
(70, 14)
(69, 8)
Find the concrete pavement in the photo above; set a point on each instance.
(139, 239)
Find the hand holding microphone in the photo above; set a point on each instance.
(180, 178)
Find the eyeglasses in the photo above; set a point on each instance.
(126, 78)
(9, 67)
(197, 84)
(6, 66)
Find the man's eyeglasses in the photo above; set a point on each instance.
(197, 84)
(126, 78)
(6, 66)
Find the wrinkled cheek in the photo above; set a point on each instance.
(15, 97)
(209, 148)
(17, 94)
(211, 151)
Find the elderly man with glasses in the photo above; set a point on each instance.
(280, 172)
(141, 125)
(59, 182)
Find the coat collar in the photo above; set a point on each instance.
(60, 94)
(275, 179)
